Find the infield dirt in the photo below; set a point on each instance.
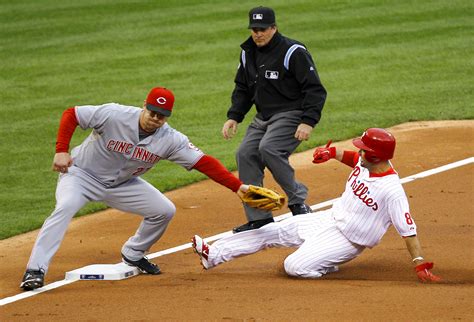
(378, 285)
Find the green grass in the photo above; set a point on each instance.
(382, 62)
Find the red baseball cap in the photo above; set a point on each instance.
(160, 100)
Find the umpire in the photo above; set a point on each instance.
(279, 76)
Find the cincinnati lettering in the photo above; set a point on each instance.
(361, 191)
(119, 146)
(137, 154)
(144, 155)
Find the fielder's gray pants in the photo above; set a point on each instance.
(270, 144)
(76, 188)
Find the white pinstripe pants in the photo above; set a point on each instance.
(321, 246)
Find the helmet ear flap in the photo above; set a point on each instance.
(371, 157)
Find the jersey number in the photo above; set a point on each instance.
(408, 218)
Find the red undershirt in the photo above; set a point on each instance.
(67, 126)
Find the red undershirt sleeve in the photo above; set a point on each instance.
(215, 170)
(350, 158)
(67, 126)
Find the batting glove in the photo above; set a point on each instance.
(321, 155)
(424, 273)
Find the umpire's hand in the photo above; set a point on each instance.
(303, 132)
(229, 129)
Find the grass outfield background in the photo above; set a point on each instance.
(382, 62)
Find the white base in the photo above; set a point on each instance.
(118, 271)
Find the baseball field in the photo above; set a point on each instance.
(404, 65)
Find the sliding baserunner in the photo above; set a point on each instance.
(373, 200)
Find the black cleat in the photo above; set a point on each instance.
(32, 279)
(254, 224)
(143, 265)
(300, 209)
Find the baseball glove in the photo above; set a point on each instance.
(262, 198)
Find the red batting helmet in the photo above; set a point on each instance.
(378, 144)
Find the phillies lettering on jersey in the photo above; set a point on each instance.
(361, 190)
(369, 205)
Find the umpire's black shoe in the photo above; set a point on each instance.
(32, 279)
(253, 224)
(143, 265)
(300, 209)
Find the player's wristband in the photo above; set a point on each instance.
(419, 258)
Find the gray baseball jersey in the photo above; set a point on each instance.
(106, 167)
(113, 153)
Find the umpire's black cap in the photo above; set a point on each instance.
(261, 17)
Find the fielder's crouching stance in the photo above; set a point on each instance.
(126, 142)
(373, 200)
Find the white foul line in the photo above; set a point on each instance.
(321, 205)
(25, 295)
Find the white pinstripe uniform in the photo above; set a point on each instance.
(359, 219)
(107, 167)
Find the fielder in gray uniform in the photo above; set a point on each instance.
(125, 142)
(277, 75)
